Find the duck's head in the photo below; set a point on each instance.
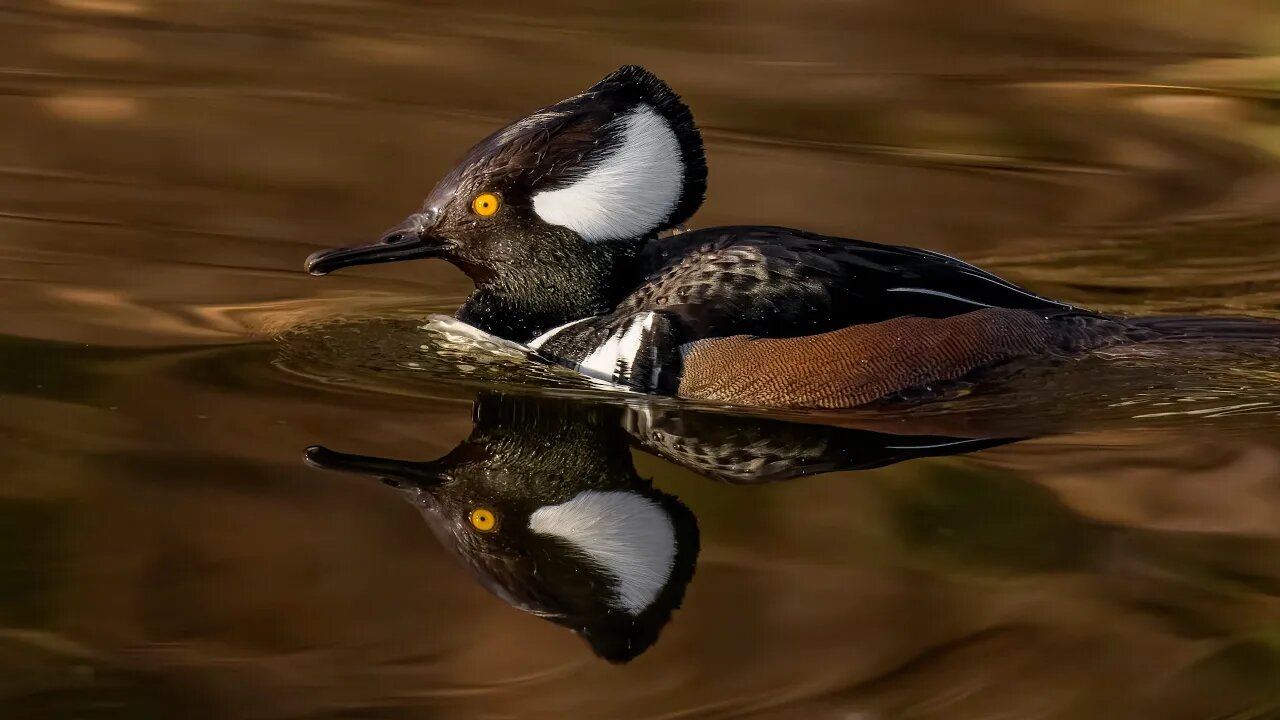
(554, 523)
(613, 165)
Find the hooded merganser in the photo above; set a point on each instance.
(543, 504)
(560, 220)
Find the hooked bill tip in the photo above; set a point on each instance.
(315, 455)
(314, 264)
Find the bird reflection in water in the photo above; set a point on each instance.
(543, 503)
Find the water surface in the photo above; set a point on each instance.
(165, 551)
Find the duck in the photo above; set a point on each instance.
(570, 222)
(543, 504)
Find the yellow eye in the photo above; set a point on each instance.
(483, 519)
(485, 204)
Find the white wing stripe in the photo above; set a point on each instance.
(938, 293)
(538, 341)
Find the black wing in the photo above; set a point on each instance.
(778, 282)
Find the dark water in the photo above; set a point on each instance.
(166, 552)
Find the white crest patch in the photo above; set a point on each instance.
(626, 534)
(629, 192)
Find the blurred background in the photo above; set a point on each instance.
(166, 166)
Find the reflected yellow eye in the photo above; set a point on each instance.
(485, 204)
(483, 519)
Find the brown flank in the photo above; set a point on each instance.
(862, 363)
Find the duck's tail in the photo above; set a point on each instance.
(1223, 338)
(1199, 329)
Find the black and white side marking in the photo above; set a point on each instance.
(630, 355)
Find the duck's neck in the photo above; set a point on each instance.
(527, 299)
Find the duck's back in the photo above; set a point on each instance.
(779, 282)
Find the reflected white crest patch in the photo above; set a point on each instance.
(629, 192)
(626, 534)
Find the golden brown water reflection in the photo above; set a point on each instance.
(166, 166)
